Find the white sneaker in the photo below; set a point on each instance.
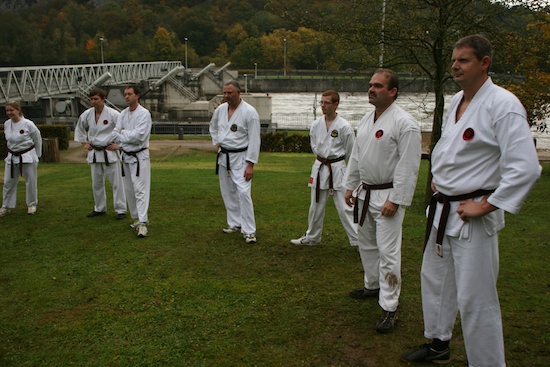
(303, 241)
(231, 229)
(31, 210)
(135, 224)
(142, 230)
(250, 238)
(4, 211)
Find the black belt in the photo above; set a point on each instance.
(446, 201)
(226, 151)
(18, 154)
(367, 187)
(133, 154)
(99, 149)
(326, 162)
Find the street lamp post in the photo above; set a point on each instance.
(101, 39)
(185, 39)
(255, 70)
(284, 57)
(245, 84)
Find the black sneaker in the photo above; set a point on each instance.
(120, 216)
(426, 353)
(95, 214)
(386, 322)
(362, 293)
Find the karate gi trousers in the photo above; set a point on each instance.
(316, 215)
(138, 188)
(464, 280)
(10, 184)
(379, 244)
(113, 174)
(237, 199)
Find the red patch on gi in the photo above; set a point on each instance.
(311, 180)
(468, 134)
(21, 132)
(105, 122)
(379, 134)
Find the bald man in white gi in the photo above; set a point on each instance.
(331, 138)
(235, 130)
(380, 181)
(131, 137)
(94, 131)
(485, 163)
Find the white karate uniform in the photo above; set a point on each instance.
(334, 143)
(241, 131)
(132, 132)
(490, 147)
(99, 134)
(388, 150)
(21, 136)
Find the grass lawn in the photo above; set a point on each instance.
(77, 291)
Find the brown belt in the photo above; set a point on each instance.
(326, 162)
(133, 154)
(18, 154)
(367, 187)
(446, 201)
(99, 149)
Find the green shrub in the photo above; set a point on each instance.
(285, 143)
(59, 131)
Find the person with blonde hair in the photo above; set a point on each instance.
(24, 143)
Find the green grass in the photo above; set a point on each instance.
(76, 291)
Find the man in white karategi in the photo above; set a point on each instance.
(485, 163)
(380, 181)
(331, 138)
(235, 131)
(94, 131)
(131, 137)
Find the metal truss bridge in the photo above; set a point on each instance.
(29, 84)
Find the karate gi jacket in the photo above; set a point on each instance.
(490, 147)
(132, 132)
(99, 134)
(334, 143)
(388, 150)
(20, 136)
(241, 131)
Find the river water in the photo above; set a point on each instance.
(296, 111)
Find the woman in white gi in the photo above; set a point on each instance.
(24, 150)
(235, 130)
(331, 138)
(484, 163)
(94, 130)
(381, 179)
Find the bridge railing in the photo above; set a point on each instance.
(31, 83)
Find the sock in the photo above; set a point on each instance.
(440, 345)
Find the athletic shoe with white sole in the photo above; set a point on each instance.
(303, 241)
(31, 209)
(4, 211)
(135, 224)
(250, 238)
(231, 229)
(142, 230)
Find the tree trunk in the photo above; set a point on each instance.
(50, 150)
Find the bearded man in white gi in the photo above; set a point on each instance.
(380, 181)
(235, 131)
(485, 163)
(331, 138)
(131, 136)
(94, 131)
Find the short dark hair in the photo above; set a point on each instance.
(479, 43)
(97, 92)
(393, 79)
(334, 96)
(233, 83)
(135, 88)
